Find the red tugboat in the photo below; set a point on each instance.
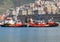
(41, 24)
(10, 23)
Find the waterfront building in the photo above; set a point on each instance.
(13, 12)
(48, 9)
(35, 10)
(38, 7)
(20, 12)
(54, 9)
(41, 10)
(32, 5)
(24, 12)
(30, 12)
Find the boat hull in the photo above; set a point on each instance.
(30, 25)
(12, 25)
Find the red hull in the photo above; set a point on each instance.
(49, 24)
(18, 25)
(38, 25)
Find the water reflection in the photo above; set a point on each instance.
(30, 34)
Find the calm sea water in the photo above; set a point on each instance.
(30, 34)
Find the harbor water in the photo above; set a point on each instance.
(30, 34)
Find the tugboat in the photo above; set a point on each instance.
(10, 23)
(41, 24)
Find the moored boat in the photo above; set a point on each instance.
(17, 24)
(42, 24)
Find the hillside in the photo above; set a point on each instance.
(6, 4)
